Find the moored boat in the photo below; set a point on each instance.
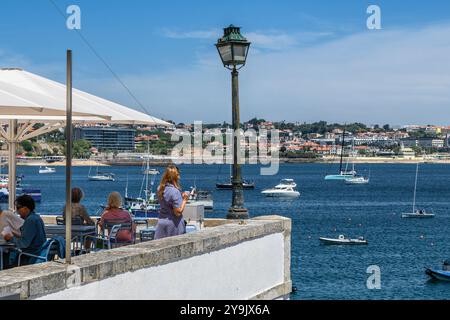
(285, 189)
(356, 180)
(201, 197)
(342, 240)
(442, 274)
(229, 186)
(33, 192)
(417, 213)
(46, 170)
(421, 214)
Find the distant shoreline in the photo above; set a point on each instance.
(165, 162)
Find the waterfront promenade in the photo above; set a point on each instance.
(224, 260)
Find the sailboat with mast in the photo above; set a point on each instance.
(147, 206)
(417, 213)
(101, 176)
(229, 185)
(343, 174)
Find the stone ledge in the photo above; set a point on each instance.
(45, 278)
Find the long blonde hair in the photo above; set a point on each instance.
(114, 200)
(171, 175)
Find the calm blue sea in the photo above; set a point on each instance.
(400, 247)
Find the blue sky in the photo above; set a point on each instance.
(309, 60)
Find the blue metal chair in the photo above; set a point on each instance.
(48, 251)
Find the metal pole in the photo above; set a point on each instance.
(69, 157)
(237, 210)
(12, 164)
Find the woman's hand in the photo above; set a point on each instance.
(186, 195)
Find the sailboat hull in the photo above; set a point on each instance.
(338, 177)
(417, 215)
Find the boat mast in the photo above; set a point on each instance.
(126, 188)
(342, 151)
(415, 188)
(146, 171)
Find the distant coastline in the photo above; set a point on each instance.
(165, 162)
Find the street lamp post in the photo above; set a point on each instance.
(233, 50)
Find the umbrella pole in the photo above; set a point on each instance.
(69, 158)
(12, 164)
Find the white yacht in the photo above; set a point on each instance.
(47, 170)
(286, 188)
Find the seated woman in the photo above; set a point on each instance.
(114, 214)
(33, 230)
(79, 211)
(11, 221)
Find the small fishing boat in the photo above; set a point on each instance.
(342, 240)
(46, 170)
(442, 274)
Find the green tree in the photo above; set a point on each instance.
(27, 146)
(81, 149)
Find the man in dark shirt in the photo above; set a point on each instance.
(33, 229)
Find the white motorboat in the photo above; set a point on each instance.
(151, 171)
(102, 177)
(286, 188)
(357, 180)
(342, 240)
(201, 197)
(47, 170)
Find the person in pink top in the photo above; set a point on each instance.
(115, 214)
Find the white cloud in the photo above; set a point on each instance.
(272, 39)
(198, 34)
(397, 76)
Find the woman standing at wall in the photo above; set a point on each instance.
(172, 202)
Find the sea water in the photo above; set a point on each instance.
(401, 248)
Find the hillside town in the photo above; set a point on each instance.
(297, 141)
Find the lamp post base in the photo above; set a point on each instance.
(237, 213)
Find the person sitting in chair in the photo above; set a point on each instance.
(114, 213)
(33, 230)
(79, 212)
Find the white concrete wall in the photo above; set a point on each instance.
(237, 272)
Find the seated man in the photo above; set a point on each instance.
(32, 232)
